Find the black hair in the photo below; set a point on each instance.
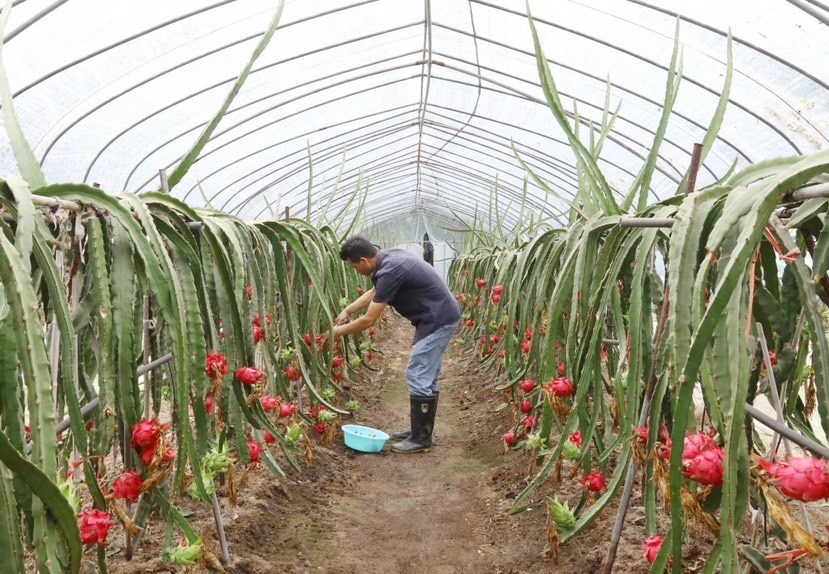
(356, 247)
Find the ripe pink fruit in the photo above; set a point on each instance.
(576, 439)
(526, 406)
(248, 375)
(527, 386)
(337, 362)
(702, 459)
(561, 387)
(258, 334)
(595, 482)
(494, 339)
(146, 433)
(255, 451)
(528, 335)
(287, 409)
(209, 405)
(509, 438)
(269, 403)
(127, 486)
(803, 478)
(652, 546)
(257, 321)
(526, 345)
(529, 423)
(215, 365)
(94, 525)
(269, 438)
(293, 372)
(498, 289)
(481, 283)
(319, 428)
(309, 340)
(495, 297)
(470, 323)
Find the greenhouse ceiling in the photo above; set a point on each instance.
(416, 103)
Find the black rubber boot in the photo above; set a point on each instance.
(423, 422)
(403, 435)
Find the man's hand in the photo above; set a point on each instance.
(343, 318)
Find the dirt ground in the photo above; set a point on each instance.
(443, 512)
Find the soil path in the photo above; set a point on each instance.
(427, 512)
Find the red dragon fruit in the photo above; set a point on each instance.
(127, 486)
(146, 433)
(595, 482)
(561, 387)
(248, 375)
(94, 525)
(527, 386)
(702, 459)
(804, 479)
(652, 546)
(215, 365)
(269, 403)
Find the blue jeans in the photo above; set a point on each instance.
(424, 363)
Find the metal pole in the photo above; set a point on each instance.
(627, 221)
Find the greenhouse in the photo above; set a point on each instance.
(574, 248)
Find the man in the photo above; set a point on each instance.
(417, 292)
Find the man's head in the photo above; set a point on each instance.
(360, 254)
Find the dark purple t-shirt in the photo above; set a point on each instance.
(415, 290)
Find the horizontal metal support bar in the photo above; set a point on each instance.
(94, 403)
(192, 225)
(627, 221)
(785, 431)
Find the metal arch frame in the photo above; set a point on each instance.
(474, 36)
(466, 177)
(546, 162)
(348, 175)
(227, 81)
(622, 145)
(640, 58)
(302, 167)
(452, 171)
(425, 84)
(646, 99)
(299, 151)
(477, 65)
(25, 25)
(782, 61)
(359, 77)
(512, 92)
(516, 94)
(120, 42)
(554, 164)
(377, 122)
(471, 209)
(181, 134)
(299, 164)
(348, 80)
(184, 63)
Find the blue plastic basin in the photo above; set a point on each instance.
(364, 439)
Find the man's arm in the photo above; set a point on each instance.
(361, 302)
(362, 322)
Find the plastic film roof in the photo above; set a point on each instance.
(417, 102)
